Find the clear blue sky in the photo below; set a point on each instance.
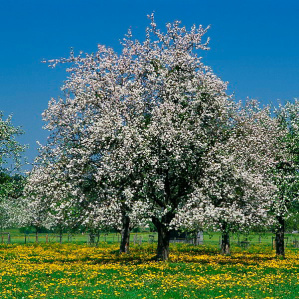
(254, 46)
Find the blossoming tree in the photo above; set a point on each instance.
(237, 188)
(138, 124)
(10, 159)
(147, 134)
(286, 170)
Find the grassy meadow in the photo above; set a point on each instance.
(81, 271)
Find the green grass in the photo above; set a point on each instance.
(212, 238)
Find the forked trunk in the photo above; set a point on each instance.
(279, 237)
(125, 235)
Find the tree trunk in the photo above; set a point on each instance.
(60, 236)
(225, 243)
(98, 238)
(163, 240)
(279, 237)
(125, 235)
(163, 243)
(92, 238)
(36, 235)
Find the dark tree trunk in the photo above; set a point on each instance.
(125, 235)
(98, 238)
(225, 243)
(92, 238)
(36, 236)
(163, 237)
(279, 237)
(163, 243)
(60, 236)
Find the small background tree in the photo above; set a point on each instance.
(11, 184)
(286, 172)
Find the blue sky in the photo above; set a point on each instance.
(254, 46)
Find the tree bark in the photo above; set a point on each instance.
(36, 236)
(225, 242)
(92, 238)
(163, 243)
(163, 240)
(60, 236)
(98, 238)
(125, 235)
(279, 237)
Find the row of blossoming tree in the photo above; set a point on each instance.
(150, 135)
